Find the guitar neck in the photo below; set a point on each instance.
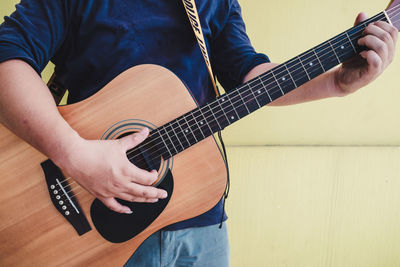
(212, 117)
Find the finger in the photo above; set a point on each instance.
(141, 176)
(388, 28)
(142, 191)
(114, 205)
(131, 198)
(374, 61)
(376, 45)
(360, 18)
(133, 140)
(384, 36)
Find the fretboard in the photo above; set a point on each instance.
(212, 117)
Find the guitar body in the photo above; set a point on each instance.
(36, 227)
(34, 233)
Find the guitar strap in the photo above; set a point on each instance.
(191, 11)
(193, 15)
(56, 88)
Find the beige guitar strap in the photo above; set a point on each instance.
(193, 16)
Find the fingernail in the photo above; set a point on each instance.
(164, 194)
(128, 211)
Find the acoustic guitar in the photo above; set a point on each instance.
(46, 219)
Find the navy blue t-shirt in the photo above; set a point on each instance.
(92, 41)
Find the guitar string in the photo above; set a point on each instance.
(391, 10)
(261, 76)
(393, 21)
(78, 192)
(176, 129)
(250, 89)
(396, 15)
(216, 103)
(245, 91)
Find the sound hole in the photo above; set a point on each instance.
(117, 227)
(145, 155)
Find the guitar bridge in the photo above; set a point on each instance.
(63, 198)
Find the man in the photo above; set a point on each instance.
(91, 42)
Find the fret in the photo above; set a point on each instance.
(286, 83)
(248, 98)
(189, 129)
(169, 138)
(192, 117)
(356, 31)
(326, 59)
(258, 91)
(297, 71)
(244, 102)
(239, 109)
(265, 88)
(305, 70)
(164, 141)
(351, 42)
(254, 96)
(276, 80)
(219, 100)
(342, 48)
(290, 75)
(233, 112)
(272, 86)
(319, 60)
(183, 133)
(334, 52)
(217, 127)
(312, 63)
(153, 143)
(205, 122)
(174, 138)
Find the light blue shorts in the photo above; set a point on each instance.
(206, 246)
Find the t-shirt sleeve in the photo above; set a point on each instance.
(233, 56)
(34, 32)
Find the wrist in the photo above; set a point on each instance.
(66, 147)
(337, 87)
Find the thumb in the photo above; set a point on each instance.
(133, 140)
(361, 17)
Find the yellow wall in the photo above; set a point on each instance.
(285, 29)
(293, 203)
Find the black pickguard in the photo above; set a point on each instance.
(117, 228)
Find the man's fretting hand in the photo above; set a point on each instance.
(102, 167)
(380, 39)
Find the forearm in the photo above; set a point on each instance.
(28, 109)
(321, 87)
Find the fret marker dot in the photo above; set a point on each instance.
(201, 123)
(342, 47)
(232, 117)
(283, 79)
(186, 131)
(259, 92)
(311, 63)
(222, 99)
